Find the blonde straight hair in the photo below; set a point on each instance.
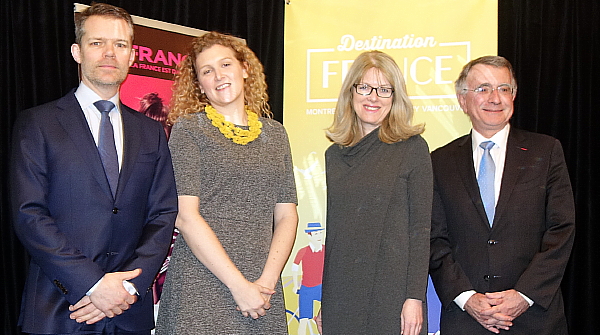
(396, 126)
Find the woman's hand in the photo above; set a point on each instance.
(411, 318)
(266, 284)
(250, 299)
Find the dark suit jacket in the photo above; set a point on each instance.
(67, 219)
(527, 247)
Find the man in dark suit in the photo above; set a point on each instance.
(97, 234)
(503, 218)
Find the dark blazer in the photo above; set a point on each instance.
(67, 219)
(526, 249)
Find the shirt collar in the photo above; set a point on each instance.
(86, 97)
(500, 138)
(315, 248)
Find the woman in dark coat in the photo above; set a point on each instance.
(379, 193)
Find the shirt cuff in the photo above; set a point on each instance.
(529, 301)
(129, 287)
(89, 292)
(462, 298)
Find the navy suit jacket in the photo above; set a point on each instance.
(526, 249)
(66, 217)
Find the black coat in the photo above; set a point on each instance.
(526, 249)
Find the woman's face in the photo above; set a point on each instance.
(221, 76)
(372, 109)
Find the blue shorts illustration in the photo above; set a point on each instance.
(306, 297)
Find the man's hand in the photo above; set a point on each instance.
(509, 302)
(85, 311)
(110, 296)
(481, 309)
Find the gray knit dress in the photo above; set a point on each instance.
(238, 187)
(378, 220)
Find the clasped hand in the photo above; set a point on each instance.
(252, 299)
(496, 310)
(108, 299)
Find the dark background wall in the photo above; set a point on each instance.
(553, 45)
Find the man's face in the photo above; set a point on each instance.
(105, 53)
(489, 112)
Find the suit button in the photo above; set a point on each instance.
(486, 277)
(115, 210)
(492, 242)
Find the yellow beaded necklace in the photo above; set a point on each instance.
(230, 130)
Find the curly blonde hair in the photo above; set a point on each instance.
(187, 97)
(396, 126)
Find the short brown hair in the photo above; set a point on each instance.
(100, 9)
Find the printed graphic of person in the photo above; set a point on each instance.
(153, 107)
(309, 290)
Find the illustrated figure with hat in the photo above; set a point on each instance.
(310, 258)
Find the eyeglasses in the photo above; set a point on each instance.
(382, 92)
(487, 89)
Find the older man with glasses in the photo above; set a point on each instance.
(503, 218)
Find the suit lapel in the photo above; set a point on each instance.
(464, 163)
(132, 133)
(516, 156)
(76, 126)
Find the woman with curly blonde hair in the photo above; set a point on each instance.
(237, 197)
(379, 196)
(187, 96)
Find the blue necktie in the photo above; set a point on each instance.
(487, 171)
(106, 145)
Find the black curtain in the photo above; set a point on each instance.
(554, 46)
(551, 43)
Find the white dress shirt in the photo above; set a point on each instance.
(498, 153)
(86, 98)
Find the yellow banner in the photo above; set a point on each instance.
(429, 39)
